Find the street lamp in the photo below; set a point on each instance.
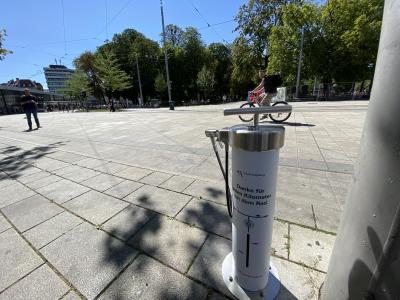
(171, 103)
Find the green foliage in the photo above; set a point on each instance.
(3, 51)
(205, 81)
(340, 40)
(86, 63)
(76, 85)
(160, 85)
(112, 78)
(244, 70)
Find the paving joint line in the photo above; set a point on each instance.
(50, 265)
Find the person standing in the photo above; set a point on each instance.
(29, 105)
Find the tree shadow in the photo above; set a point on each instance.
(291, 124)
(215, 193)
(18, 160)
(362, 282)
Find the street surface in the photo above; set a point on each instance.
(131, 204)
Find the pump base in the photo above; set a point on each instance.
(268, 293)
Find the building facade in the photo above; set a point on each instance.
(24, 83)
(10, 99)
(56, 75)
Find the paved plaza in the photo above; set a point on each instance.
(131, 205)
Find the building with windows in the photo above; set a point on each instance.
(56, 75)
(10, 99)
(24, 83)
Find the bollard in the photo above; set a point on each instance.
(247, 271)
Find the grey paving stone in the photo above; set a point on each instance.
(88, 258)
(340, 167)
(21, 170)
(102, 182)
(327, 218)
(177, 183)
(148, 279)
(49, 164)
(31, 211)
(42, 283)
(160, 200)
(66, 156)
(313, 164)
(91, 163)
(128, 222)
(207, 265)
(4, 225)
(207, 190)
(5, 180)
(313, 248)
(43, 182)
(133, 173)
(297, 282)
(159, 239)
(71, 296)
(280, 239)
(17, 258)
(68, 169)
(207, 215)
(111, 168)
(216, 296)
(95, 207)
(62, 191)
(290, 209)
(123, 189)
(44, 233)
(155, 178)
(34, 177)
(80, 174)
(14, 193)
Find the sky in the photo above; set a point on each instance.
(36, 29)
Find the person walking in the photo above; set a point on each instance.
(29, 106)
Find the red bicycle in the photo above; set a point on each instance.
(254, 101)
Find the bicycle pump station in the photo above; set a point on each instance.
(247, 270)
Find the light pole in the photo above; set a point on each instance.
(365, 258)
(171, 103)
(299, 65)
(140, 82)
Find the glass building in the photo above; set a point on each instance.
(10, 99)
(56, 75)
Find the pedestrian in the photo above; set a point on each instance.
(29, 105)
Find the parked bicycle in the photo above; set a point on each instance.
(255, 100)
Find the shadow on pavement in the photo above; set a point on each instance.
(19, 160)
(292, 124)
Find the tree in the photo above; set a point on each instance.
(86, 63)
(244, 67)
(76, 84)
(129, 46)
(174, 35)
(220, 58)
(205, 81)
(160, 85)
(255, 21)
(113, 79)
(284, 42)
(3, 51)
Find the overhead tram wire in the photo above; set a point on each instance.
(105, 28)
(63, 22)
(205, 20)
(216, 24)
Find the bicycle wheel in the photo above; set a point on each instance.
(280, 117)
(246, 118)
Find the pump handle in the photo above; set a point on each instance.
(258, 110)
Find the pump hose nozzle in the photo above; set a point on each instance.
(215, 134)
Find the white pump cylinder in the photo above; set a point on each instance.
(255, 156)
(254, 176)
